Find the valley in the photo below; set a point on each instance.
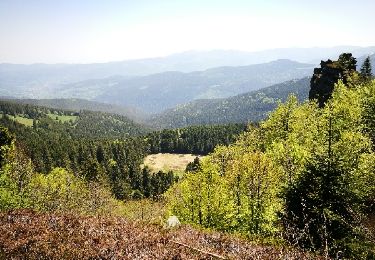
(185, 129)
(242, 156)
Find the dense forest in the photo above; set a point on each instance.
(194, 139)
(105, 147)
(303, 177)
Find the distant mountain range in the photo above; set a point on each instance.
(41, 80)
(249, 107)
(243, 108)
(123, 87)
(157, 92)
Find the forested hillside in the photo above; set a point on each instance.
(76, 104)
(84, 123)
(303, 177)
(98, 145)
(249, 107)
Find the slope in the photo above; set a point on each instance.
(58, 236)
(77, 104)
(157, 92)
(252, 106)
(83, 124)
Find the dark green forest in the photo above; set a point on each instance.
(248, 107)
(105, 147)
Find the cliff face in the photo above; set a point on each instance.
(330, 72)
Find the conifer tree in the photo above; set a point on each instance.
(366, 73)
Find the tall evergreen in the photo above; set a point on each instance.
(366, 73)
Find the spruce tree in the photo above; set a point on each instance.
(366, 73)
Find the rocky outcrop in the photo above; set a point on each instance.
(330, 72)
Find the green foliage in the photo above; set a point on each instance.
(368, 104)
(6, 144)
(9, 197)
(305, 171)
(193, 139)
(239, 195)
(59, 190)
(324, 205)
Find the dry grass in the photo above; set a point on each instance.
(168, 161)
(146, 210)
(25, 234)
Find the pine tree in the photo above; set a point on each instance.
(366, 73)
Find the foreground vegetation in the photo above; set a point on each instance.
(56, 236)
(306, 174)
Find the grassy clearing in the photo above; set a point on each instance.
(62, 118)
(168, 161)
(23, 120)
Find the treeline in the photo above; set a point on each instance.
(194, 139)
(29, 111)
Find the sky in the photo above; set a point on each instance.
(87, 31)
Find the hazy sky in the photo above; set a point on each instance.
(74, 31)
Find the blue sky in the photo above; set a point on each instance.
(76, 31)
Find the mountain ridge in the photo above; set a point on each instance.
(157, 92)
(247, 107)
(41, 80)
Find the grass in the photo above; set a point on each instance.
(145, 210)
(23, 120)
(63, 119)
(29, 122)
(168, 161)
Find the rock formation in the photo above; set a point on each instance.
(330, 72)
